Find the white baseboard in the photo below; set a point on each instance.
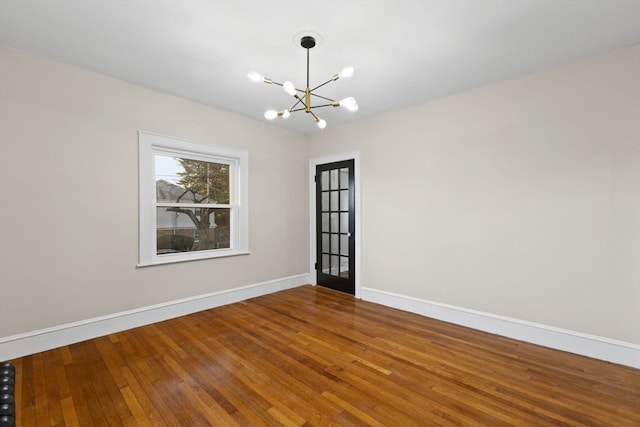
(619, 352)
(45, 339)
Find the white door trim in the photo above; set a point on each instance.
(352, 155)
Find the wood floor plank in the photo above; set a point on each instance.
(69, 412)
(41, 397)
(138, 415)
(310, 356)
(251, 408)
(142, 399)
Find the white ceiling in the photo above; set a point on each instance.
(404, 51)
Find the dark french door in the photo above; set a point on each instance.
(335, 226)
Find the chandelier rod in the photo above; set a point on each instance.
(307, 68)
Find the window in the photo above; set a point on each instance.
(193, 200)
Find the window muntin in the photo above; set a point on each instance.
(197, 197)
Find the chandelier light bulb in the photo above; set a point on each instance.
(255, 77)
(289, 88)
(349, 103)
(346, 72)
(270, 114)
(321, 123)
(285, 114)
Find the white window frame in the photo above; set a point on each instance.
(151, 144)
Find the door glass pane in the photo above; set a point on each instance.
(344, 200)
(334, 179)
(335, 239)
(334, 201)
(325, 222)
(325, 242)
(334, 222)
(325, 264)
(344, 222)
(325, 202)
(344, 245)
(324, 180)
(344, 266)
(344, 178)
(335, 265)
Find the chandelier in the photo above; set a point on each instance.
(303, 97)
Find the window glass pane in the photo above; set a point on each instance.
(324, 180)
(325, 201)
(344, 245)
(344, 178)
(180, 180)
(334, 201)
(191, 229)
(334, 179)
(334, 222)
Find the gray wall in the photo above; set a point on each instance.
(69, 217)
(520, 199)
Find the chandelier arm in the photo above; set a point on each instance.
(324, 105)
(325, 83)
(294, 105)
(323, 97)
(282, 84)
(298, 109)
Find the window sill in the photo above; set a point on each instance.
(172, 259)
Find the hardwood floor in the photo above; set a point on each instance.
(314, 357)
